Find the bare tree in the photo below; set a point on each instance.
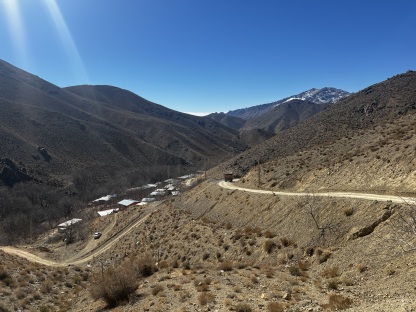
(403, 226)
(325, 226)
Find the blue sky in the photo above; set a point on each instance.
(214, 55)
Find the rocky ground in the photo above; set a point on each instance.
(221, 250)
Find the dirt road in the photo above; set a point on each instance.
(83, 256)
(88, 254)
(392, 198)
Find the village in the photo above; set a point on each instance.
(132, 198)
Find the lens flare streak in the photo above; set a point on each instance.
(67, 40)
(16, 28)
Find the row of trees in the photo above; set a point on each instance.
(28, 210)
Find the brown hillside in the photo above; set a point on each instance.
(284, 116)
(215, 249)
(365, 125)
(88, 127)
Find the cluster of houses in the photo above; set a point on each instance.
(147, 193)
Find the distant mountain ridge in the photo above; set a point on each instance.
(285, 115)
(325, 95)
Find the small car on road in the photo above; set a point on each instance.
(97, 235)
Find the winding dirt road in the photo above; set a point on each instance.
(85, 255)
(88, 254)
(392, 198)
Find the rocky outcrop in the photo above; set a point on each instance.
(11, 174)
(356, 233)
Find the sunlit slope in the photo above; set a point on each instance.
(365, 142)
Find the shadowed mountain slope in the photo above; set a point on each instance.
(284, 116)
(53, 132)
(228, 120)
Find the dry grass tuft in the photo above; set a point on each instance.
(205, 298)
(330, 272)
(275, 307)
(337, 302)
(269, 245)
(243, 307)
(157, 289)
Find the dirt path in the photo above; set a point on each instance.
(85, 255)
(392, 198)
(29, 256)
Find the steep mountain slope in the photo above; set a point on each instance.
(228, 120)
(285, 115)
(191, 137)
(318, 96)
(369, 134)
(98, 128)
(255, 136)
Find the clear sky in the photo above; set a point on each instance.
(204, 56)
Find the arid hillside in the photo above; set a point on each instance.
(365, 142)
(67, 146)
(51, 133)
(218, 249)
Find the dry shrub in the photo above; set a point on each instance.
(268, 234)
(157, 289)
(145, 265)
(163, 264)
(303, 265)
(348, 211)
(294, 271)
(275, 307)
(333, 284)
(205, 298)
(285, 241)
(330, 272)
(324, 256)
(228, 302)
(268, 271)
(46, 287)
(242, 307)
(226, 266)
(115, 286)
(3, 274)
(6, 278)
(337, 302)
(361, 268)
(309, 251)
(254, 279)
(269, 245)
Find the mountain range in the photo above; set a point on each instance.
(317, 96)
(280, 115)
(279, 238)
(49, 134)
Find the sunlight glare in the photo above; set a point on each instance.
(67, 41)
(15, 24)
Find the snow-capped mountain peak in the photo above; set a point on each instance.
(318, 96)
